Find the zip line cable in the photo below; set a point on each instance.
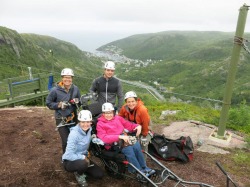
(24, 65)
(41, 70)
(196, 97)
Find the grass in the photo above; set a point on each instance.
(239, 117)
(240, 165)
(238, 162)
(185, 112)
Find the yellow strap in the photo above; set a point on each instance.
(70, 117)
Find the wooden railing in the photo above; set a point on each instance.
(24, 89)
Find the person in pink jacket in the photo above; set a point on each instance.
(110, 129)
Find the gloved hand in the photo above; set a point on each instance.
(76, 100)
(132, 140)
(97, 141)
(144, 141)
(59, 104)
(65, 105)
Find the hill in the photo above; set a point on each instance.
(44, 54)
(175, 45)
(185, 62)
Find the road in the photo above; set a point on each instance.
(150, 89)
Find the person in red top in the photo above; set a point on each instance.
(134, 110)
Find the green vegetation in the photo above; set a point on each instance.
(176, 45)
(197, 79)
(239, 118)
(43, 54)
(188, 63)
(192, 66)
(241, 164)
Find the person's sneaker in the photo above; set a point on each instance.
(148, 171)
(81, 179)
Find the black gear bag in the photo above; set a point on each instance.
(166, 149)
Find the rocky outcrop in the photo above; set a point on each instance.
(6, 38)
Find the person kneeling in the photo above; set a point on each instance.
(111, 128)
(75, 159)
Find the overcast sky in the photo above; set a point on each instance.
(92, 23)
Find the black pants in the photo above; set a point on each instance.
(64, 133)
(81, 166)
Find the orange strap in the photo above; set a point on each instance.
(69, 118)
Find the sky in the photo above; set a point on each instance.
(90, 24)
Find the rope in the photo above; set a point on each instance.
(197, 97)
(242, 42)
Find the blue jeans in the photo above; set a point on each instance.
(135, 156)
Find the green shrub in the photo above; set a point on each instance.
(239, 118)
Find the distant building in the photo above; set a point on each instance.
(162, 88)
(156, 83)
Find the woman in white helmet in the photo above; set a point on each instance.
(75, 159)
(135, 111)
(107, 87)
(111, 128)
(59, 100)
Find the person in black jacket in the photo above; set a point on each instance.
(59, 100)
(107, 87)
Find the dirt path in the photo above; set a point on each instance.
(31, 155)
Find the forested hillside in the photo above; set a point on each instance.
(175, 45)
(189, 63)
(44, 54)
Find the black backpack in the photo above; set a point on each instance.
(166, 149)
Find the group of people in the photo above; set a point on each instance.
(133, 116)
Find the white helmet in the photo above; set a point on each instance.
(85, 115)
(130, 94)
(67, 71)
(109, 65)
(106, 107)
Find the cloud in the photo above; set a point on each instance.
(122, 17)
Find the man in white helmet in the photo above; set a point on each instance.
(107, 87)
(76, 159)
(59, 100)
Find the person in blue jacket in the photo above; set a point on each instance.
(75, 159)
(59, 100)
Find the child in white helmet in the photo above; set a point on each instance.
(75, 159)
(110, 129)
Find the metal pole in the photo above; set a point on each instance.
(238, 40)
(30, 73)
(51, 52)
